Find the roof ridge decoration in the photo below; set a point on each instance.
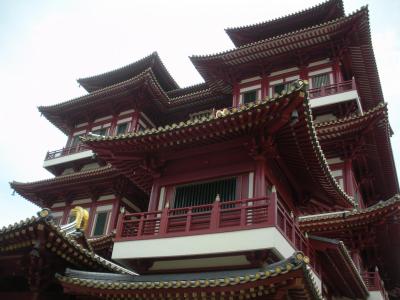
(232, 31)
(139, 284)
(89, 82)
(360, 11)
(45, 220)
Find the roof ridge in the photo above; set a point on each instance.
(151, 55)
(332, 215)
(44, 216)
(72, 175)
(352, 117)
(97, 92)
(285, 16)
(361, 10)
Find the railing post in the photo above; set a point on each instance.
(120, 222)
(272, 208)
(215, 214)
(188, 220)
(164, 221)
(353, 83)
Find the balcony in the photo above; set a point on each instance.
(334, 93)
(221, 227)
(67, 154)
(375, 285)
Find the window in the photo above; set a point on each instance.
(277, 89)
(76, 140)
(249, 96)
(122, 128)
(100, 224)
(319, 81)
(205, 193)
(101, 131)
(141, 126)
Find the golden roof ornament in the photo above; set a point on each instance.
(81, 217)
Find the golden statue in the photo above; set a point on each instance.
(81, 217)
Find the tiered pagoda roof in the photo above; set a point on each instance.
(274, 53)
(130, 151)
(339, 268)
(324, 12)
(150, 95)
(76, 185)
(41, 232)
(367, 134)
(152, 61)
(292, 274)
(346, 220)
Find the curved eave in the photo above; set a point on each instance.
(29, 190)
(360, 51)
(257, 282)
(102, 242)
(318, 14)
(300, 150)
(374, 126)
(23, 235)
(58, 113)
(339, 268)
(351, 219)
(272, 46)
(152, 61)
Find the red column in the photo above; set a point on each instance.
(259, 177)
(303, 73)
(114, 214)
(348, 177)
(236, 95)
(154, 195)
(135, 120)
(264, 86)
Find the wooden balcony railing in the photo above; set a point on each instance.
(374, 282)
(212, 218)
(65, 151)
(332, 89)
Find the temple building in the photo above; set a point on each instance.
(272, 179)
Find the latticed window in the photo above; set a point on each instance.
(277, 89)
(320, 80)
(249, 96)
(101, 131)
(122, 128)
(100, 224)
(76, 140)
(205, 192)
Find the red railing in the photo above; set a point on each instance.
(212, 218)
(288, 227)
(66, 151)
(216, 217)
(374, 282)
(332, 89)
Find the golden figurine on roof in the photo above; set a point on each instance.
(81, 217)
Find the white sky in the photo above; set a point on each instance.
(46, 45)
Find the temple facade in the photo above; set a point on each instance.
(273, 179)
